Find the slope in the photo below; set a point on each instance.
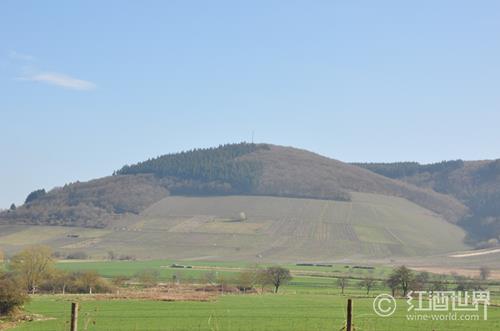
(475, 183)
(275, 229)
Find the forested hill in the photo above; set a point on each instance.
(400, 170)
(475, 183)
(265, 169)
(234, 169)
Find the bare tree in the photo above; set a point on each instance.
(89, 280)
(210, 277)
(367, 284)
(278, 276)
(393, 283)
(57, 280)
(111, 255)
(247, 279)
(32, 266)
(149, 277)
(262, 279)
(421, 281)
(484, 273)
(402, 276)
(342, 282)
(119, 280)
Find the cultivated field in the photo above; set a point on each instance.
(275, 229)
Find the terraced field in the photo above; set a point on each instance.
(275, 229)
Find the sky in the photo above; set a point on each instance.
(88, 86)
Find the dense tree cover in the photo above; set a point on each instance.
(89, 204)
(405, 169)
(204, 170)
(35, 195)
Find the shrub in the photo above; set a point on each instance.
(149, 277)
(87, 282)
(77, 256)
(12, 294)
(119, 280)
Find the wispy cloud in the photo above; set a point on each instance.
(21, 56)
(29, 72)
(61, 80)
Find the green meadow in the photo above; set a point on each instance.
(308, 302)
(292, 310)
(198, 268)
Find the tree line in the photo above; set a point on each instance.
(402, 279)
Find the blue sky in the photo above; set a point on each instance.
(91, 85)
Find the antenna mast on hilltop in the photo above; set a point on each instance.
(252, 136)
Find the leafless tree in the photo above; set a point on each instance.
(278, 276)
(484, 273)
(367, 284)
(402, 277)
(32, 265)
(342, 282)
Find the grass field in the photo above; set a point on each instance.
(298, 308)
(308, 302)
(130, 268)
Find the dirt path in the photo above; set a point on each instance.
(477, 253)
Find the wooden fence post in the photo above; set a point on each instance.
(74, 316)
(349, 315)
